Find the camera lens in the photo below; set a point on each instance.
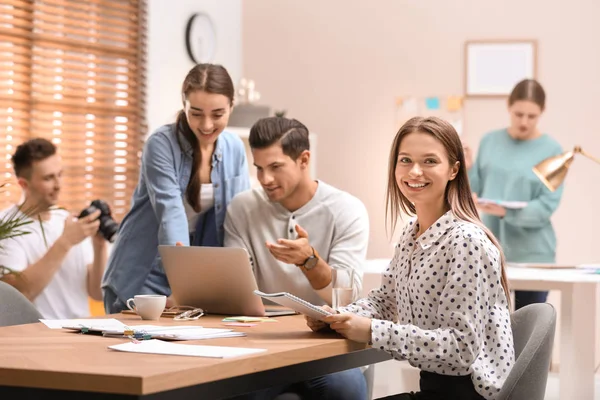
(109, 228)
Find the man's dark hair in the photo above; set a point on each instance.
(290, 133)
(29, 152)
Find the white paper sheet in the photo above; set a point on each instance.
(506, 204)
(154, 346)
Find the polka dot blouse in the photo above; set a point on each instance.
(441, 305)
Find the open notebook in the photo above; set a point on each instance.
(295, 303)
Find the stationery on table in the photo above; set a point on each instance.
(154, 346)
(515, 205)
(172, 332)
(114, 328)
(295, 303)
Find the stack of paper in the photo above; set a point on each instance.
(159, 347)
(115, 328)
(175, 332)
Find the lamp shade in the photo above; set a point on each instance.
(553, 170)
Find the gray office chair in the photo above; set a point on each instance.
(368, 373)
(533, 332)
(15, 309)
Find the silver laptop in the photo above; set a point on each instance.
(217, 279)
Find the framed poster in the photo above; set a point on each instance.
(493, 68)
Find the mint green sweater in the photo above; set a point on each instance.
(503, 171)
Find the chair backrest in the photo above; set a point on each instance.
(15, 309)
(533, 329)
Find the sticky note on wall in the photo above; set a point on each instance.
(454, 103)
(410, 106)
(432, 103)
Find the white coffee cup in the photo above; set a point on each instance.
(148, 306)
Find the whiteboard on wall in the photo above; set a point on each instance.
(493, 68)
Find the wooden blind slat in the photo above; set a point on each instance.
(89, 22)
(80, 33)
(90, 108)
(100, 74)
(95, 70)
(121, 20)
(73, 106)
(8, 13)
(115, 7)
(15, 21)
(6, 37)
(92, 26)
(20, 4)
(22, 35)
(82, 56)
(69, 118)
(93, 173)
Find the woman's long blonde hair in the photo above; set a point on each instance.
(458, 191)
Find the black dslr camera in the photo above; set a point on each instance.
(108, 226)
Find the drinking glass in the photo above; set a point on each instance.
(343, 287)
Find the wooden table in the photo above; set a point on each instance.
(38, 362)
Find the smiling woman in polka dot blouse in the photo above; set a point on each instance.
(443, 301)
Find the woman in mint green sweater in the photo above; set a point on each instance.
(503, 171)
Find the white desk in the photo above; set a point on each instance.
(577, 323)
(577, 319)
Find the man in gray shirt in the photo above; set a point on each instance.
(296, 231)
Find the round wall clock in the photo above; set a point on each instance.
(201, 38)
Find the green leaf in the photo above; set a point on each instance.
(12, 225)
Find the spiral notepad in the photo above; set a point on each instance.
(295, 303)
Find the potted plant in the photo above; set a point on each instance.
(11, 225)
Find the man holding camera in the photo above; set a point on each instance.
(56, 265)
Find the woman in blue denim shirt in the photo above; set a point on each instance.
(190, 171)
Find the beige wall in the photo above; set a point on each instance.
(338, 65)
(168, 61)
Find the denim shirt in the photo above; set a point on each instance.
(157, 215)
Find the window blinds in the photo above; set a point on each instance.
(74, 72)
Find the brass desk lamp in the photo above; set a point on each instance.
(552, 170)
